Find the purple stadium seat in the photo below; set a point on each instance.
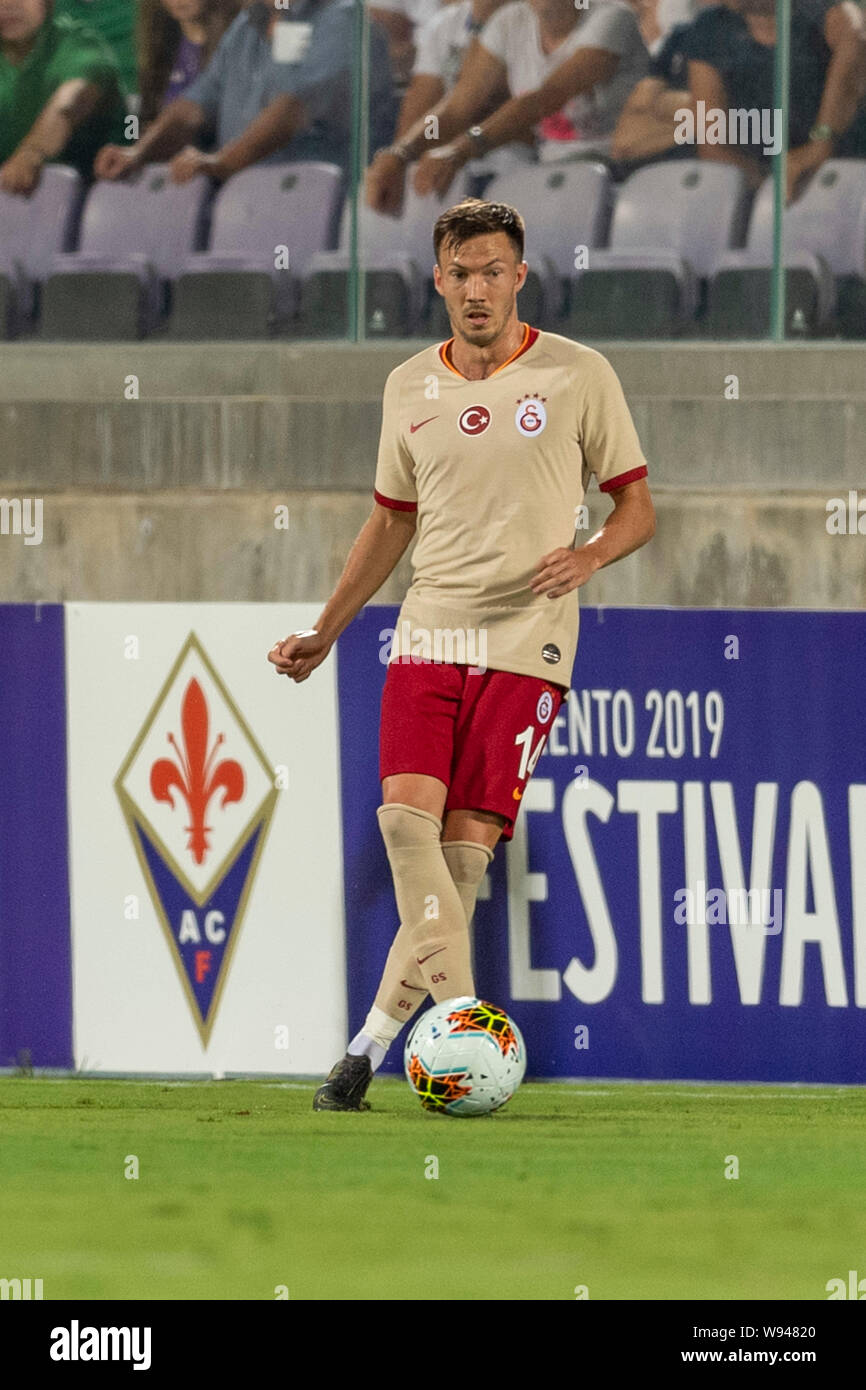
(144, 215)
(33, 230)
(823, 238)
(410, 234)
(565, 206)
(827, 220)
(693, 207)
(142, 227)
(670, 223)
(804, 263)
(256, 213)
(397, 253)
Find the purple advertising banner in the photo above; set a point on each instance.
(685, 893)
(35, 978)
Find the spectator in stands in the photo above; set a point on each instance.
(731, 52)
(176, 40)
(277, 88)
(558, 76)
(441, 48)
(646, 129)
(657, 18)
(114, 21)
(402, 21)
(59, 93)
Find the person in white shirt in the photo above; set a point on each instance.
(558, 77)
(441, 46)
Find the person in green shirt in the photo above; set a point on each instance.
(60, 95)
(114, 21)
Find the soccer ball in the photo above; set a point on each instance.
(464, 1057)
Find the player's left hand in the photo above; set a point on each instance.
(563, 570)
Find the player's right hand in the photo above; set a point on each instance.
(298, 656)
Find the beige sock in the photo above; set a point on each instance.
(402, 989)
(467, 863)
(428, 900)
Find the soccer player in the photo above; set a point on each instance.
(488, 442)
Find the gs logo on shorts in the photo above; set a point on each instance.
(544, 708)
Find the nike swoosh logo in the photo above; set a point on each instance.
(432, 953)
(417, 988)
(413, 428)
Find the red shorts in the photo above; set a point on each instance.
(481, 733)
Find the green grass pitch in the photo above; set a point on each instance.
(242, 1189)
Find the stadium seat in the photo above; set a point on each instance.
(32, 231)
(397, 256)
(670, 224)
(824, 250)
(740, 296)
(567, 207)
(829, 219)
(394, 295)
(134, 236)
(267, 224)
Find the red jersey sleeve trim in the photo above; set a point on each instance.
(394, 503)
(624, 479)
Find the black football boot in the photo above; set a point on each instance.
(346, 1085)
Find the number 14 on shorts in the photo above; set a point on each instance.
(529, 756)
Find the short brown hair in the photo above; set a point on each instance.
(473, 217)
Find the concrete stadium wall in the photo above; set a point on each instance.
(171, 496)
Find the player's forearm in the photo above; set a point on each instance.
(380, 545)
(630, 525)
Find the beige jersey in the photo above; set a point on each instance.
(497, 470)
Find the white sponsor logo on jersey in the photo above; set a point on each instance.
(531, 416)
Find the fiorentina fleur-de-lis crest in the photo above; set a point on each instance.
(198, 820)
(194, 774)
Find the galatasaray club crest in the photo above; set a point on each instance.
(198, 795)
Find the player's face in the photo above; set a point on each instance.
(479, 281)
